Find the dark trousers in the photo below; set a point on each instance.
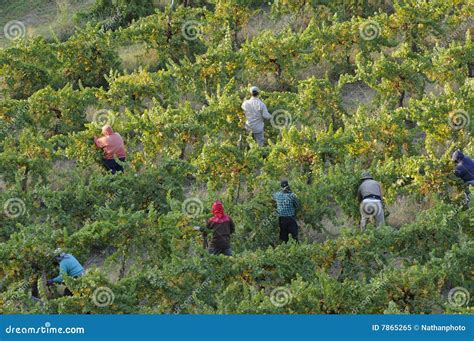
(225, 252)
(288, 226)
(68, 292)
(113, 166)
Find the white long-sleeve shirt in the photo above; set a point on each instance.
(255, 111)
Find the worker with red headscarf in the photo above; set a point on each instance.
(112, 145)
(221, 226)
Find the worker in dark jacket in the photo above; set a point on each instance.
(221, 226)
(68, 265)
(465, 171)
(371, 201)
(287, 204)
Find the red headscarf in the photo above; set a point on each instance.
(218, 212)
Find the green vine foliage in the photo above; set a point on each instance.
(183, 126)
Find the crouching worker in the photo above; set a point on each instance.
(221, 226)
(68, 265)
(112, 145)
(465, 171)
(371, 201)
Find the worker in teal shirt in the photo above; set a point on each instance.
(68, 265)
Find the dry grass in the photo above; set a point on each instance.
(405, 210)
(46, 18)
(135, 56)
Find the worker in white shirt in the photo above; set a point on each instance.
(255, 112)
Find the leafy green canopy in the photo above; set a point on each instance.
(358, 84)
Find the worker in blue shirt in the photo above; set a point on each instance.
(68, 265)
